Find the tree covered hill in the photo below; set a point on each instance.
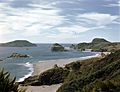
(98, 44)
(18, 43)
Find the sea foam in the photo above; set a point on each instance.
(30, 68)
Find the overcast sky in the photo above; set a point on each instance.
(64, 21)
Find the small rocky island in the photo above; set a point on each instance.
(17, 55)
(18, 43)
(57, 47)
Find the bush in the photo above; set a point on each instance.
(8, 84)
(74, 66)
(53, 76)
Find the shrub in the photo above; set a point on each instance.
(97, 76)
(8, 84)
(74, 66)
(53, 76)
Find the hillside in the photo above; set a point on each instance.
(91, 75)
(95, 75)
(99, 40)
(98, 44)
(18, 43)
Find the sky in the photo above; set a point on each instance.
(62, 21)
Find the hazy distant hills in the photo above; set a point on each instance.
(98, 44)
(18, 43)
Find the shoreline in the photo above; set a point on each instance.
(42, 66)
(47, 64)
(60, 62)
(30, 68)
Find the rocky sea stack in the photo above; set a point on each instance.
(57, 47)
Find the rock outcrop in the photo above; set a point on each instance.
(17, 55)
(57, 47)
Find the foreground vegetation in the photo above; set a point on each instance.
(91, 75)
(95, 75)
(8, 84)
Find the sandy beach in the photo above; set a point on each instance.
(51, 88)
(41, 66)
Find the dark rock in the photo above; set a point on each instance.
(52, 76)
(57, 47)
(32, 80)
(17, 55)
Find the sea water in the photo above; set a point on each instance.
(22, 67)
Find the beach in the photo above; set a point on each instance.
(42, 66)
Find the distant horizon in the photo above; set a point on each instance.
(57, 42)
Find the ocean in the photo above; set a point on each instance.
(22, 67)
